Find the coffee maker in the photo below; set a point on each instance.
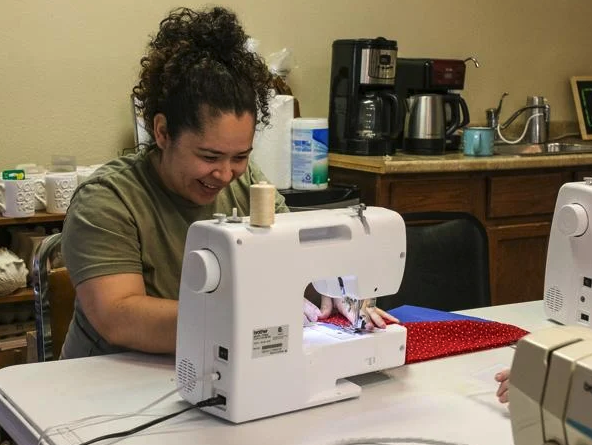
(363, 106)
(423, 79)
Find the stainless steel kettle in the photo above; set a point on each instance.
(426, 129)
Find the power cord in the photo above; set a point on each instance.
(105, 418)
(212, 401)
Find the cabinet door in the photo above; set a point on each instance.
(524, 195)
(517, 256)
(445, 193)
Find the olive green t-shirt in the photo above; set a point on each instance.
(124, 220)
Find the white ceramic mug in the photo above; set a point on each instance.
(39, 179)
(59, 188)
(17, 198)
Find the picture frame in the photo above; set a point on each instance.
(581, 87)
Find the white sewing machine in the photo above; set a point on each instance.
(551, 377)
(568, 275)
(241, 308)
(551, 387)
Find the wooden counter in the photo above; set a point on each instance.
(513, 196)
(454, 162)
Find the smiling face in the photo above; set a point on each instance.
(197, 166)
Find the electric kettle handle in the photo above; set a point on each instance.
(396, 124)
(452, 99)
(465, 112)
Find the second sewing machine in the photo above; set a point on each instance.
(241, 301)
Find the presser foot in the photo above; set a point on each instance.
(353, 329)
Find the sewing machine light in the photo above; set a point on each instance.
(338, 287)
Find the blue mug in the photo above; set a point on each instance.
(478, 141)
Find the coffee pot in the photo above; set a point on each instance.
(364, 117)
(377, 115)
(426, 123)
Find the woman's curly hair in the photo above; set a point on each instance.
(198, 66)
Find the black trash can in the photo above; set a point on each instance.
(333, 197)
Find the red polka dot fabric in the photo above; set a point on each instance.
(435, 339)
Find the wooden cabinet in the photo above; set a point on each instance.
(524, 194)
(515, 206)
(517, 257)
(450, 193)
(24, 296)
(11, 357)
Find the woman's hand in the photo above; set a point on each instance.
(503, 378)
(374, 317)
(311, 312)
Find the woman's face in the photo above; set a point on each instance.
(197, 166)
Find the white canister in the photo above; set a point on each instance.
(310, 150)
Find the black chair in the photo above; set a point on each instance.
(447, 264)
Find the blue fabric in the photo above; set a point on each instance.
(408, 313)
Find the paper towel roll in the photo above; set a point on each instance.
(272, 145)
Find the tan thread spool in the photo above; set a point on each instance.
(262, 206)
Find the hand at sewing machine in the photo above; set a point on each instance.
(373, 316)
(503, 378)
(311, 312)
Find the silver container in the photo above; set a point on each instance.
(538, 127)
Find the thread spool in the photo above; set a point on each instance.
(262, 204)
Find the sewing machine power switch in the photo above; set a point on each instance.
(222, 353)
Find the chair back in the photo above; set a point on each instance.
(54, 298)
(447, 264)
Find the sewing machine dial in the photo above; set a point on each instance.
(572, 220)
(205, 268)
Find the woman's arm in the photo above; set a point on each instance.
(120, 311)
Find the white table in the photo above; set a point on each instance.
(451, 399)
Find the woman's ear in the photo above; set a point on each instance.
(161, 134)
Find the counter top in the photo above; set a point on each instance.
(454, 162)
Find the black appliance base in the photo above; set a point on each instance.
(432, 147)
(365, 147)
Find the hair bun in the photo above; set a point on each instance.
(215, 33)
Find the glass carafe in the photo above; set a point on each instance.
(377, 112)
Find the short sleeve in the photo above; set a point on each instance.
(100, 236)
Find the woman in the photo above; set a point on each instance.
(200, 94)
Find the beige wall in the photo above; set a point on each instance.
(67, 66)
